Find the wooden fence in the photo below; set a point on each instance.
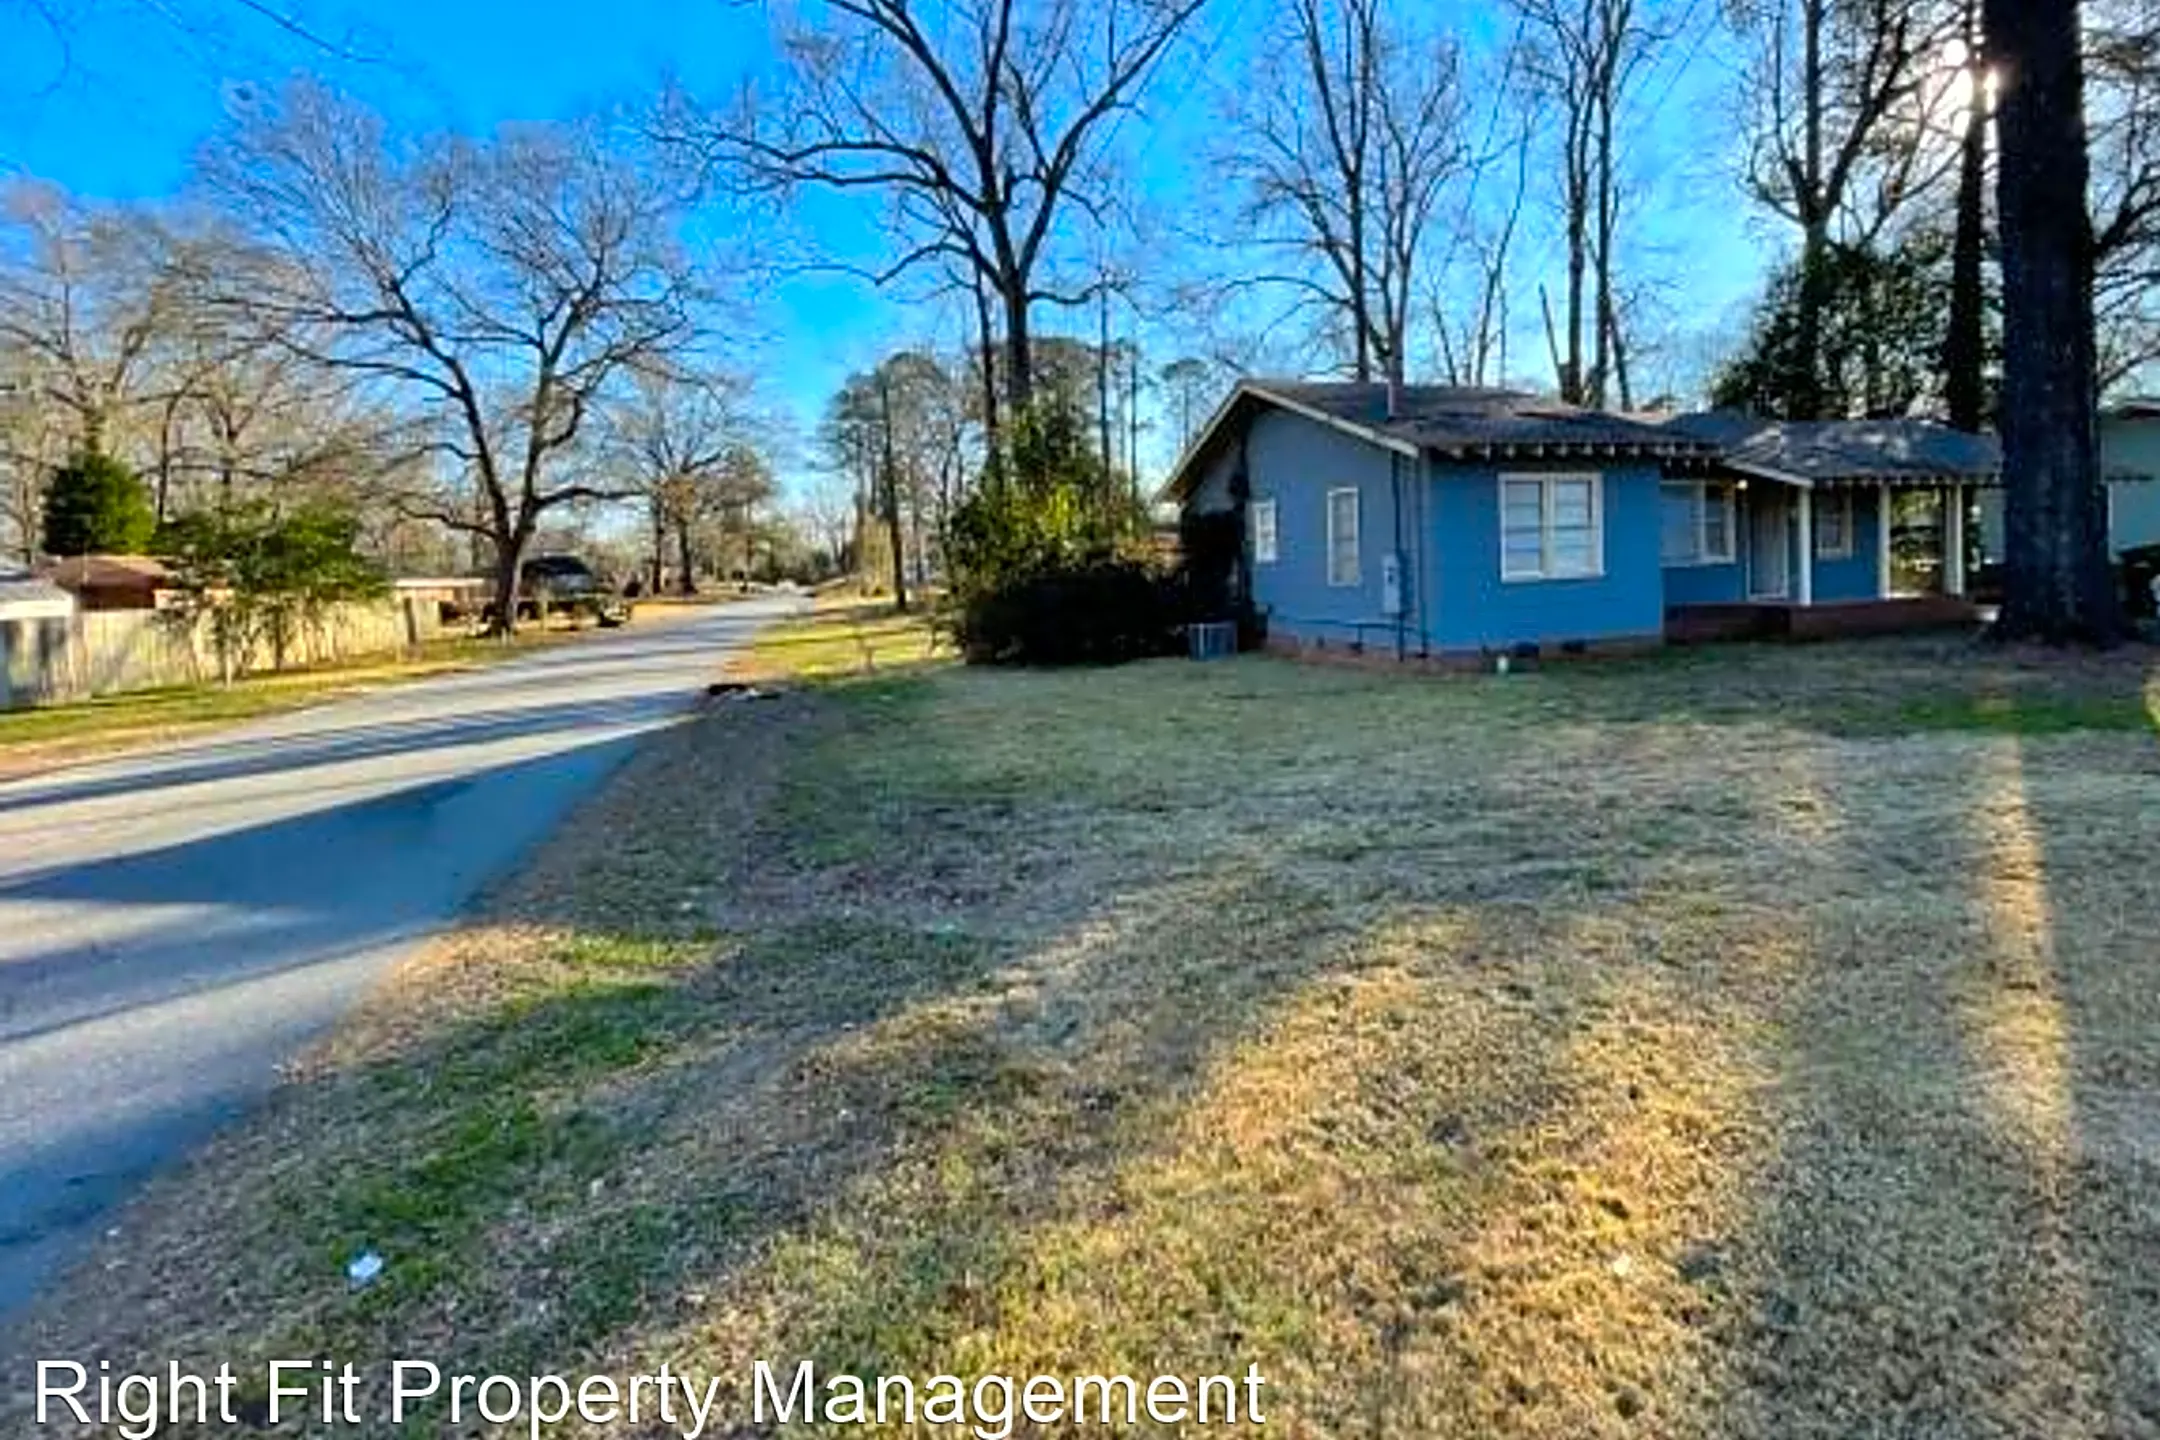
(107, 652)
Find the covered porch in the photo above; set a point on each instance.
(1824, 528)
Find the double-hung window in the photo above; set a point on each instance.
(1833, 524)
(1551, 527)
(1698, 526)
(1265, 547)
(1342, 537)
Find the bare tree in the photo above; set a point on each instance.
(2122, 108)
(826, 511)
(1836, 93)
(237, 413)
(2058, 586)
(1473, 332)
(82, 308)
(1581, 59)
(1342, 144)
(984, 125)
(504, 290)
(675, 431)
(31, 447)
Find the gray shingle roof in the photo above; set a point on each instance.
(1466, 422)
(1911, 451)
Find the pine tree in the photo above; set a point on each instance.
(94, 505)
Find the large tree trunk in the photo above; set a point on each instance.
(1019, 350)
(686, 580)
(1360, 300)
(1102, 383)
(1602, 363)
(1965, 342)
(891, 487)
(659, 548)
(1808, 401)
(1572, 389)
(2058, 587)
(509, 553)
(987, 339)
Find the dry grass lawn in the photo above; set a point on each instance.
(1745, 1042)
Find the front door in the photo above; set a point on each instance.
(1769, 543)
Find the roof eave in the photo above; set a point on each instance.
(1184, 474)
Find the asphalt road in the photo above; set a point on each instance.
(173, 925)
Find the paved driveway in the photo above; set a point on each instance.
(175, 924)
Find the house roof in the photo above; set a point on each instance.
(1825, 452)
(102, 572)
(1455, 422)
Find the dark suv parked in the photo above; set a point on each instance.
(560, 584)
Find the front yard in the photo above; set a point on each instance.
(1752, 1041)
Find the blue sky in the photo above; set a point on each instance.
(118, 114)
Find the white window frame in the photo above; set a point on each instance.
(1336, 579)
(1266, 532)
(1728, 499)
(1842, 498)
(1548, 484)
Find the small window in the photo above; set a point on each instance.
(1342, 537)
(1698, 523)
(1834, 525)
(1263, 532)
(1551, 527)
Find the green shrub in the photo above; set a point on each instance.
(261, 573)
(94, 505)
(1101, 612)
(1047, 557)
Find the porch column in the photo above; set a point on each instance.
(1806, 592)
(1954, 540)
(1882, 541)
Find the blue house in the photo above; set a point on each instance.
(1432, 522)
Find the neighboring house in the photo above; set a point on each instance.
(111, 582)
(1439, 521)
(26, 597)
(37, 619)
(2130, 460)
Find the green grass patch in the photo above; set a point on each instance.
(2040, 714)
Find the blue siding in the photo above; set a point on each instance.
(1295, 462)
(1850, 578)
(1853, 578)
(1718, 584)
(1473, 608)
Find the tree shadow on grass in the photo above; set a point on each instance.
(1946, 1239)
